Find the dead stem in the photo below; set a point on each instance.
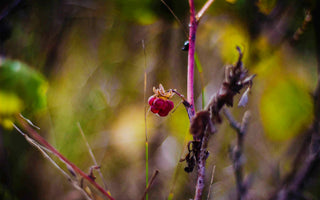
(156, 172)
(92, 156)
(236, 153)
(69, 164)
(211, 182)
(42, 150)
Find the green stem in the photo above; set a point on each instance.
(147, 167)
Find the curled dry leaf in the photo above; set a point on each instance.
(199, 123)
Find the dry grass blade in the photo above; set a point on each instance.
(150, 183)
(35, 136)
(92, 156)
(42, 150)
(211, 181)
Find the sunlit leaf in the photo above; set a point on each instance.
(232, 36)
(10, 103)
(22, 86)
(285, 108)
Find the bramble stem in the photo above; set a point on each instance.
(192, 39)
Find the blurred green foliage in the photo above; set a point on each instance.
(21, 88)
(286, 108)
(87, 65)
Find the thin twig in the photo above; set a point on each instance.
(295, 186)
(211, 182)
(92, 157)
(236, 78)
(175, 16)
(69, 164)
(156, 172)
(8, 9)
(236, 153)
(45, 154)
(29, 121)
(203, 9)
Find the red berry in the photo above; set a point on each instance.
(151, 100)
(154, 109)
(160, 106)
(166, 108)
(170, 105)
(159, 103)
(163, 113)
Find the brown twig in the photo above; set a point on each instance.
(175, 16)
(293, 189)
(45, 154)
(236, 153)
(203, 9)
(69, 164)
(93, 157)
(156, 172)
(211, 182)
(236, 78)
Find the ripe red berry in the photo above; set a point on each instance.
(151, 100)
(154, 109)
(160, 106)
(159, 103)
(166, 108)
(170, 105)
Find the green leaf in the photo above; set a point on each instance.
(21, 87)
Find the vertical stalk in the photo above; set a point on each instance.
(145, 118)
(192, 39)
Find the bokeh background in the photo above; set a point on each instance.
(84, 62)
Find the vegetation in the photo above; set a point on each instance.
(117, 110)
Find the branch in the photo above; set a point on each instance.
(237, 152)
(203, 123)
(295, 186)
(203, 10)
(150, 183)
(211, 181)
(92, 157)
(45, 154)
(69, 164)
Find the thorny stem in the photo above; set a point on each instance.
(69, 164)
(192, 39)
(202, 167)
(236, 79)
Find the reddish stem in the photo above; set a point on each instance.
(192, 39)
(46, 144)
